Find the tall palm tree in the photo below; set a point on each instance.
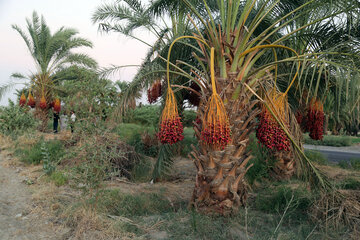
(51, 54)
(250, 40)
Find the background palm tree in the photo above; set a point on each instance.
(52, 55)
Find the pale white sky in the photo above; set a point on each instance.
(108, 48)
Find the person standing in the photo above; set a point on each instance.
(63, 122)
(72, 120)
(56, 122)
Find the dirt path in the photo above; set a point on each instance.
(17, 218)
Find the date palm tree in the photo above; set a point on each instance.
(250, 42)
(52, 54)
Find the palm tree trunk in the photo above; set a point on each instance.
(220, 182)
(43, 116)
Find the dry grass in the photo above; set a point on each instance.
(336, 173)
(339, 208)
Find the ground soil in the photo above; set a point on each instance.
(19, 218)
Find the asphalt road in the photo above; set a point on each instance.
(335, 154)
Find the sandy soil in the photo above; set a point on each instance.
(18, 218)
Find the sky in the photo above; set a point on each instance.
(108, 49)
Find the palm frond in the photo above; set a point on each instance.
(5, 88)
(19, 76)
(80, 59)
(164, 162)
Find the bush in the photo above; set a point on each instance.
(317, 157)
(188, 117)
(126, 131)
(141, 148)
(147, 115)
(102, 158)
(14, 119)
(35, 154)
(142, 171)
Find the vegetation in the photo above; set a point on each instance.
(52, 56)
(236, 85)
(34, 153)
(336, 141)
(15, 120)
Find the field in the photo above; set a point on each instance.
(107, 205)
(201, 133)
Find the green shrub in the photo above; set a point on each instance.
(317, 157)
(34, 154)
(142, 171)
(14, 119)
(116, 203)
(104, 157)
(188, 116)
(126, 131)
(147, 115)
(140, 147)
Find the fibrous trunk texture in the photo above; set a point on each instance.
(220, 185)
(43, 116)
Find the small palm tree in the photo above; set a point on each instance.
(51, 54)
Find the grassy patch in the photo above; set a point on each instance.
(296, 201)
(336, 141)
(262, 161)
(114, 202)
(126, 131)
(149, 215)
(189, 138)
(136, 141)
(355, 140)
(317, 157)
(147, 115)
(142, 171)
(58, 178)
(353, 164)
(33, 154)
(350, 183)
